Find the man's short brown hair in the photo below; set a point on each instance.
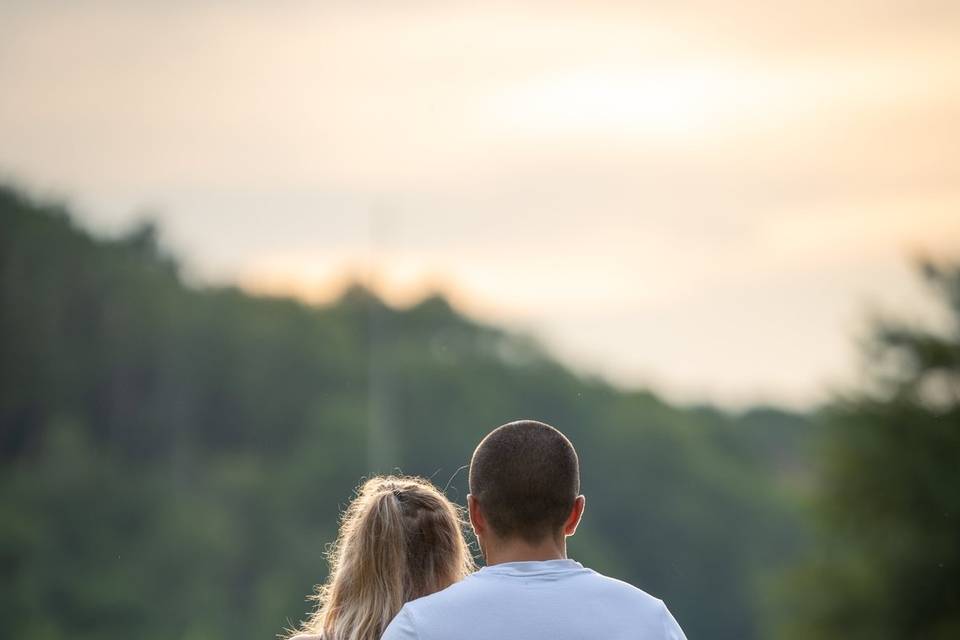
(526, 476)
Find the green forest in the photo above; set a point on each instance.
(174, 457)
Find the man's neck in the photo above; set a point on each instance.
(518, 550)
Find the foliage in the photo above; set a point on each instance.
(887, 562)
(173, 457)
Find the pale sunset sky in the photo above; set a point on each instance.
(703, 197)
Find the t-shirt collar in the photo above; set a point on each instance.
(533, 567)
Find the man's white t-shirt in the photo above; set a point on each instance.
(553, 599)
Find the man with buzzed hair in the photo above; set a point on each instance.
(524, 501)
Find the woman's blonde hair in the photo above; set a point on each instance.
(399, 539)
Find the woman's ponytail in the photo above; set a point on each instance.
(399, 539)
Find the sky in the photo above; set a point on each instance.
(706, 198)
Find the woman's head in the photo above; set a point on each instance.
(399, 539)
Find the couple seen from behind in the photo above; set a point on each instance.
(401, 568)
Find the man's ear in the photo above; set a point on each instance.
(477, 520)
(570, 526)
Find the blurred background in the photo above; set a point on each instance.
(252, 252)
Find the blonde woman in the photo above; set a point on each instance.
(399, 539)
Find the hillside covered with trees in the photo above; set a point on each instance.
(174, 457)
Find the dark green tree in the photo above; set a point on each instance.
(887, 562)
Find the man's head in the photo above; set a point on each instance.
(525, 480)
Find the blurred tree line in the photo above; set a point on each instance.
(886, 560)
(173, 458)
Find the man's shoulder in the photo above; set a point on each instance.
(649, 607)
(604, 586)
(620, 586)
(436, 607)
(453, 594)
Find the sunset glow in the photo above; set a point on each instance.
(602, 175)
